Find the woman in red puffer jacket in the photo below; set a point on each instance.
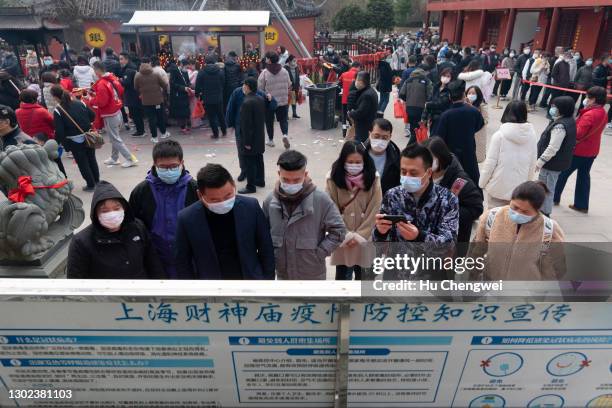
(32, 117)
(589, 128)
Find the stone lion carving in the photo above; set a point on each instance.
(39, 210)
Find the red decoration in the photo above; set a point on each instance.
(25, 189)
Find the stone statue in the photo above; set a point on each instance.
(39, 210)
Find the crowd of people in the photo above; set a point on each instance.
(176, 226)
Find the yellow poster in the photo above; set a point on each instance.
(270, 35)
(95, 37)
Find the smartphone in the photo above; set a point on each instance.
(395, 218)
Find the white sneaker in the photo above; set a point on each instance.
(609, 126)
(129, 163)
(270, 143)
(111, 162)
(165, 135)
(286, 142)
(154, 140)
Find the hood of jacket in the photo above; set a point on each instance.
(23, 105)
(418, 72)
(453, 171)
(212, 69)
(274, 68)
(145, 69)
(104, 191)
(517, 133)
(82, 69)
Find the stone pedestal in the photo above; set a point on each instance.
(51, 265)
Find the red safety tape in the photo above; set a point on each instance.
(557, 87)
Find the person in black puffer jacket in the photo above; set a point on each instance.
(440, 100)
(384, 84)
(234, 77)
(111, 63)
(179, 96)
(362, 105)
(131, 97)
(209, 87)
(447, 172)
(116, 245)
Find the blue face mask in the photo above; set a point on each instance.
(169, 176)
(519, 218)
(411, 184)
(553, 111)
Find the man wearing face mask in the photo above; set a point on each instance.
(115, 245)
(519, 67)
(305, 224)
(362, 105)
(560, 75)
(332, 57)
(431, 211)
(399, 61)
(384, 153)
(223, 235)
(157, 200)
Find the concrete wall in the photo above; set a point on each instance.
(524, 28)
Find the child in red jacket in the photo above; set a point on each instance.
(66, 81)
(32, 117)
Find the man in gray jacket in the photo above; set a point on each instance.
(305, 224)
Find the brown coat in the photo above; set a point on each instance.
(150, 85)
(517, 255)
(359, 216)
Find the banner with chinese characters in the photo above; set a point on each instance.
(246, 353)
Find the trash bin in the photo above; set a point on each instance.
(322, 102)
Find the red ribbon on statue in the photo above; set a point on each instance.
(25, 188)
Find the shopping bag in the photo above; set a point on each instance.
(300, 97)
(350, 132)
(422, 132)
(398, 109)
(198, 110)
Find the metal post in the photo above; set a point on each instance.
(342, 356)
(552, 31)
(295, 39)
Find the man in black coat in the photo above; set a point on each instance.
(209, 87)
(131, 98)
(252, 136)
(233, 77)
(111, 63)
(458, 127)
(362, 105)
(385, 154)
(223, 235)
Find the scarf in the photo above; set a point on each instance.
(353, 182)
(293, 201)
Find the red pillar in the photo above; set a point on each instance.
(482, 27)
(552, 30)
(441, 24)
(427, 16)
(510, 28)
(458, 28)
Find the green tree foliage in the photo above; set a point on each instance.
(380, 15)
(349, 18)
(403, 8)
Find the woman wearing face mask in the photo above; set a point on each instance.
(473, 96)
(476, 76)
(116, 245)
(511, 155)
(539, 73)
(354, 186)
(440, 100)
(294, 74)
(508, 62)
(448, 173)
(590, 126)
(556, 146)
(520, 243)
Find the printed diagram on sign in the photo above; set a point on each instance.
(488, 401)
(567, 364)
(601, 401)
(502, 364)
(547, 401)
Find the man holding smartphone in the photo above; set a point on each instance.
(418, 210)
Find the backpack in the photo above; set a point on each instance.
(547, 232)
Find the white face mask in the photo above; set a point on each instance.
(353, 169)
(379, 145)
(526, 51)
(445, 80)
(223, 207)
(589, 63)
(292, 189)
(511, 55)
(112, 219)
(472, 98)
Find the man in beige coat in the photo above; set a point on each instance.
(305, 224)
